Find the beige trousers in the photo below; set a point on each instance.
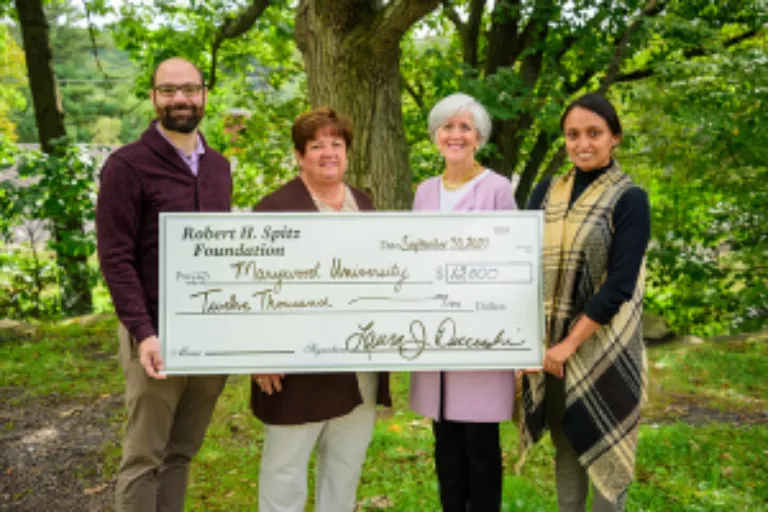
(167, 420)
(341, 446)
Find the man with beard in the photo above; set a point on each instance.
(169, 169)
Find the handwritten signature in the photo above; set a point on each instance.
(411, 344)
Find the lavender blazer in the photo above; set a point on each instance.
(479, 396)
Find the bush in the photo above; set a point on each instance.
(28, 285)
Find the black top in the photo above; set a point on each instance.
(632, 229)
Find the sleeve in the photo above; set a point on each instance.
(118, 212)
(505, 198)
(268, 203)
(418, 198)
(632, 230)
(537, 196)
(262, 206)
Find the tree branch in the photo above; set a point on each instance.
(537, 29)
(531, 169)
(92, 35)
(453, 16)
(572, 38)
(699, 51)
(653, 8)
(469, 31)
(502, 39)
(472, 32)
(619, 54)
(394, 20)
(417, 98)
(234, 27)
(556, 162)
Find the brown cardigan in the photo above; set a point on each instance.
(309, 397)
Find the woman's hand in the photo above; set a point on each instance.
(268, 382)
(555, 358)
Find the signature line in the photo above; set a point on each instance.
(247, 352)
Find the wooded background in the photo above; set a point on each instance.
(689, 78)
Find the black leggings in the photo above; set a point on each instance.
(468, 462)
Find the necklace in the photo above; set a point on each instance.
(473, 173)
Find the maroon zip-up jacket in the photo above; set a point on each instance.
(138, 181)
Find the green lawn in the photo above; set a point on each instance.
(681, 466)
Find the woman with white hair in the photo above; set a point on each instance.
(465, 406)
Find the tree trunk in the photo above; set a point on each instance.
(49, 115)
(352, 58)
(42, 80)
(532, 166)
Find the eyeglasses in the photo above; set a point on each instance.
(188, 90)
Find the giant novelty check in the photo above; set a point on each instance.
(254, 293)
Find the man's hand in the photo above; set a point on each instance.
(149, 357)
(268, 382)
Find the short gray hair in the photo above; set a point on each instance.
(457, 103)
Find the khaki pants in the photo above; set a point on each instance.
(167, 420)
(571, 478)
(341, 446)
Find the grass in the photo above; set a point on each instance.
(680, 466)
(726, 375)
(69, 359)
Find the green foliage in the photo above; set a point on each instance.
(107, 131)
(59, 192)
(28, 285)
(12, 78)
(699, 150)
(694, 124)
(153, 32)
(92, 86)
(60, 189)
(429, 68)
(262, 152)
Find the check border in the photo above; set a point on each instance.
(347, 366)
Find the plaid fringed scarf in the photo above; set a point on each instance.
(605, 379)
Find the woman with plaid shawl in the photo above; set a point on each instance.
(597, 226)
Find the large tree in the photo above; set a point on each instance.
(49, 115)
(351, 52)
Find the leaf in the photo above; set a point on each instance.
(90, 491)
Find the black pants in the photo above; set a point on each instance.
(468, 460)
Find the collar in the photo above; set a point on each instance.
(199, 146)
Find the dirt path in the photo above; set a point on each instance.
(52, 452)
